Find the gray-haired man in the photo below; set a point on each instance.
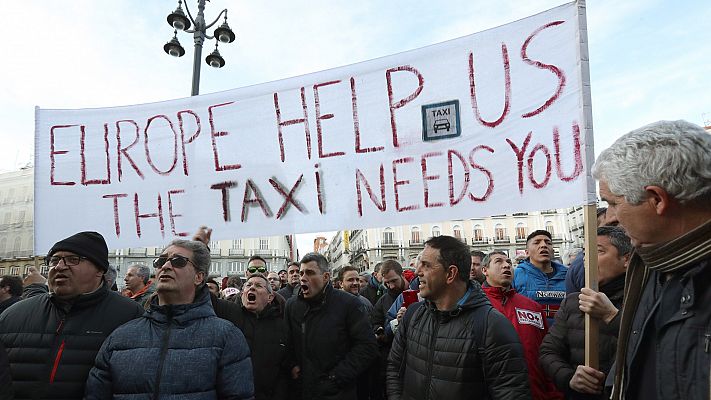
(657, 183)
(179, 348)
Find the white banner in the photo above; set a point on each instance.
(487, 124)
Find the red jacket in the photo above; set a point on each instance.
(527, 318)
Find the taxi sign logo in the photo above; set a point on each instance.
(440, 120)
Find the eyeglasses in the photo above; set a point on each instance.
(176, 261)
(69, 261)
(253, 270)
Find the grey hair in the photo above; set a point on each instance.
(262, 277)
(143, 271)
(201, 254)
(618, 238)
(321, 261)
(675, 155)
(110, 275)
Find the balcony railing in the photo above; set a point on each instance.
(236, 252)
(502, 239)
(481, 240)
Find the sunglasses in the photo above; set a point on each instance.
(253, 270)
(176, 261)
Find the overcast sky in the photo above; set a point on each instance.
(648, 58)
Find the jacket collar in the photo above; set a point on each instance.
(82, 301)
(560, 270)
(201, 307)
(498, 292)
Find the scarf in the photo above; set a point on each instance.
(669, 257)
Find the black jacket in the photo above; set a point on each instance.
(681, 341)
(333, 343)
(5, 379)
(563, 348)
(267, 336)
(7, 303)
(52, 343)
(288, 291)
(439, 355)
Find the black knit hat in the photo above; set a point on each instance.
(86, 244)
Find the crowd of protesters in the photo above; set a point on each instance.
(458, 324)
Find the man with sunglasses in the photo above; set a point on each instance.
(52, 338)
(256, 265)
(184, 349)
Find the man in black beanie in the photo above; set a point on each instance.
(52, 338)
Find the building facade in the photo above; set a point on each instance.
(366, 247)
(16, 227)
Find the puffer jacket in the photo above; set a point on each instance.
(174, 351)
(52, 343)
(332, 343)
(537, 286)
(526, 316)
(563, 349)
(440, 354)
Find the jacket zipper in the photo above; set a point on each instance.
(58, 357)
(163, 353)
(56, 362)
(430, 356)
(707, 339)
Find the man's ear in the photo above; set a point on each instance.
(658, 198)
(452, 273)
(199, 278)
(627, 257)
(327, 276)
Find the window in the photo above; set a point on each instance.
(457, 231)
(388, 236)
(235, 267)
(21, 216)
(436, 231)
(415, 235)
(478, 233)
(18, 244)
(500, 232)
(214, 245)
(263, 243)
(44, 270)
(549, 227)
(237, 244)
(8, 216)
(3, 244)
(215, 268)
(15, 270)
(2, 271)
(521, 231)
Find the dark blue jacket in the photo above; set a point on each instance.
(174, 351)
(575, 278)
(537, 286)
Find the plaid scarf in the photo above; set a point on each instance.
(668, 257)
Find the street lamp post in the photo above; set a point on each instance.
(180, 21)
